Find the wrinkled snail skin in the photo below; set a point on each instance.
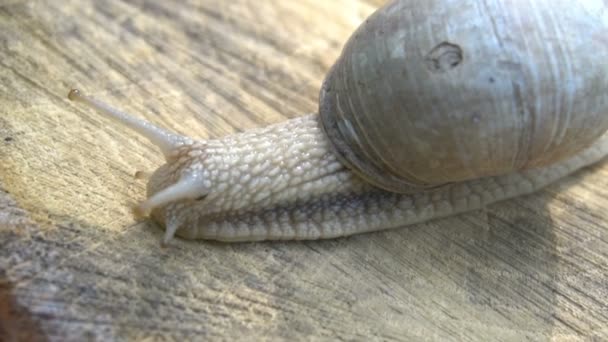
(284, 173)
(434, 108)
(283, 182)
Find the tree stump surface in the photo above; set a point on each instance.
(75, 265)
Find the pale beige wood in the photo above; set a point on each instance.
(75, 265)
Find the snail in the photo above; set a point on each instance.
(433, 108)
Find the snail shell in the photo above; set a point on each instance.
(433, 92)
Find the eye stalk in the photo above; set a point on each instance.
(165, 140)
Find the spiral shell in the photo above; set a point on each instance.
(433, 92)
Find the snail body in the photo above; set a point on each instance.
(427, 113)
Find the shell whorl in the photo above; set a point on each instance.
(433, 92)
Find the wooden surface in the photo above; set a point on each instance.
(74, 265)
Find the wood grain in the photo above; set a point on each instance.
(74, 264)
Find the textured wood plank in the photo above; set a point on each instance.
(74, 264)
